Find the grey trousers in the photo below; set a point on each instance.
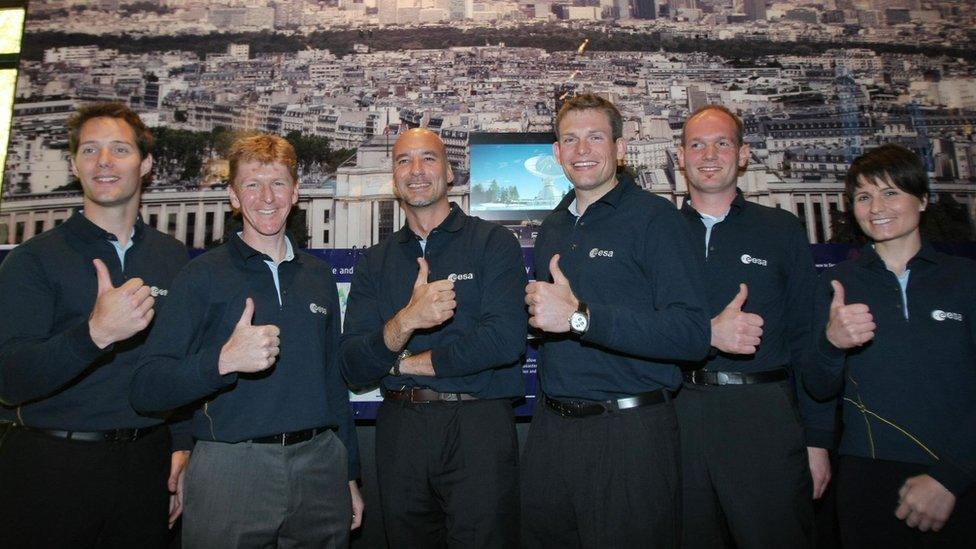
(268, 495)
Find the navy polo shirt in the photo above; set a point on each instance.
(910, 393)
(767, 249)
(52, 375)
(629, 258)
(302, 390)
(478, 350)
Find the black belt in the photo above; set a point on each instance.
(589, 408)
(425, 396)
(702, 377)
(294, 437)
(111, 435)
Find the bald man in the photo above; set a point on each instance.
(435, 315)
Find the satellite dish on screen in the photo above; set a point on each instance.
(545, 167)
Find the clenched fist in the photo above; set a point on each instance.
(431, 304)
(851, 325)
(250, 348)
(119, 313)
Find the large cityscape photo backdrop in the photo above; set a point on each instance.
(816, 82)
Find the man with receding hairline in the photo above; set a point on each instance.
(435, 316)
(79, 466)
(747, 458)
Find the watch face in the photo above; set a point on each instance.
(578, 322)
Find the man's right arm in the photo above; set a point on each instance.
(34, 362)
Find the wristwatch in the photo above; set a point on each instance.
(579, 321)
(395, 370)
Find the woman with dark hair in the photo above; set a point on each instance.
(897, 335)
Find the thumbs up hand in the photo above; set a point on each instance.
(551, 303)
(851, 325)
(250, 348)
(431, 304)
(735, 331)
(119, 313)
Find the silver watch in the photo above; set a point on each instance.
(579, 321)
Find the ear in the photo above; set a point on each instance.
(450, 173)
(235, 201)
(621, 144)
(555, 152)
(925, 204)
(743, 155)
(294, 194)
(146, 165)
(74, 169)
(680, 151)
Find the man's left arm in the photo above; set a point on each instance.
(498, 337)
(818, 417)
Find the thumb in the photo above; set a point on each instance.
(103, 277)
(248, 313)
(740, 298)
(557, 274)
(423, 273)
(838, 300)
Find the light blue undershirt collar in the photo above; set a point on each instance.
(710, 221)
(289, 255)
(903, 282)
(120, 249)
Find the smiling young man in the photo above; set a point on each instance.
(435, 316)
(617, 299)
(252, 332)
(750, 480)
(79, 466)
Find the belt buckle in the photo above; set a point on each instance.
(723, 378)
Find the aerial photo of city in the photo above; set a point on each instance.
(816, 82)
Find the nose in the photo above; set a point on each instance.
(267, 194)
(104, 157)
(583, 147)
(709, 151)
(877, 203)
(415, 166)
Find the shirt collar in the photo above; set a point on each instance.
(612, 197)
(926, 253)
(452, 224)
(246, 252)
(86, 228)
(738, 203)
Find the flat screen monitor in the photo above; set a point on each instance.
(515, 177)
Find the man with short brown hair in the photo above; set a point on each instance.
(79, 466)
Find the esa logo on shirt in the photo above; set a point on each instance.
(597, 252)
(156, 291)
(317, 309)
(940, 316)
(748, 259)
(454, 277)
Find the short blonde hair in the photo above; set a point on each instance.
(266, 149)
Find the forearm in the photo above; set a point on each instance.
(396, 332)
(165, 382)
(676, 333)
(32, 367)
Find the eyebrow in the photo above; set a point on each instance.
(113, 141)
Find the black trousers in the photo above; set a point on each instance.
(867, 496)
(448, 474)
(63, 493)
(745, 471)
(611, 480)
